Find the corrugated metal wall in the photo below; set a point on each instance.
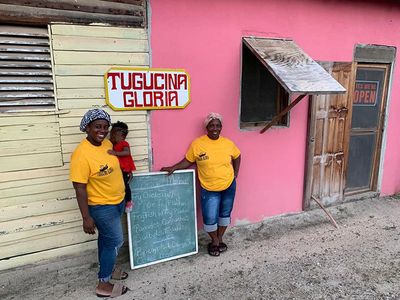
(39, 217)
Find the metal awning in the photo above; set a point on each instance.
(292, 67)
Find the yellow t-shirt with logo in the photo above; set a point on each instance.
(214, 161)
(101, 172)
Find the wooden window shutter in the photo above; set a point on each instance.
(26, 79)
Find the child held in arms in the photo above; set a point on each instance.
(122, 150)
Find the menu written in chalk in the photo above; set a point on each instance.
(162, 224)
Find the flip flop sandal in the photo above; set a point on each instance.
(213, 250)
(118, 290)
(222, 247)
(118, 274)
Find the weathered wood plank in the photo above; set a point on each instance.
(69, 148)
(39, 32)
(26, 87)
(29, 132)
(32, 174)
(97, 58)
(48, 241)
(138, 115)
(24, 56)
(292, 67)
(74, 129)
(23, 147)
(42, 16)
(24, 49)
(136, 2)
(37, 232)
(81, 93)
(40, 221)
(68, 82)
(23, 260)
(35, 209)
(89, 70)
(99, 31)
(18, 182)
(58, 195)
(23, 40)
(25, 72)
(133, 141)
(75, 121)
(35, 189)
(92, 6)
(67, 104)
(23, 64)
(79, 43)
(15, 119)
(30, 161)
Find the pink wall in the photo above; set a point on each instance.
(204, 37)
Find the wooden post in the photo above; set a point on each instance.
(323, 208)
(282, 113)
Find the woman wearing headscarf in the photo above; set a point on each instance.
(100, 191)
(218, 160)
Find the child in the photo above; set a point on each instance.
(121, 149)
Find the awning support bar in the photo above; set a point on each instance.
(282, 113)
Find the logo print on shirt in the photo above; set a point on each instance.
(105, 170)
(203, 156)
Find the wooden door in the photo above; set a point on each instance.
(369, 104)
(329, 124)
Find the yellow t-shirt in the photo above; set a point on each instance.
(214, 161)
(100, 171)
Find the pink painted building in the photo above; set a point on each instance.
(329, 148)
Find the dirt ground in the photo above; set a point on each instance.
(300, 256)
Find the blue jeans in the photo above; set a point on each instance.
(217, 207)
(108, 223)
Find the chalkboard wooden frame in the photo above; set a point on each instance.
(131, 219)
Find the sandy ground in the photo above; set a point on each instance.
(299, 256)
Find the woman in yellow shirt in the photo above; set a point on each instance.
(99, 187)
(218, 160)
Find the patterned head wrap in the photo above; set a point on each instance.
(212, 116)
(93, 115)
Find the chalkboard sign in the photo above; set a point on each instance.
(162, 224)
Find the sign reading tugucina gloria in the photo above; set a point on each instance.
(146, 88)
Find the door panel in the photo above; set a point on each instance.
(361, 158)
(329, 123)
(368, 106)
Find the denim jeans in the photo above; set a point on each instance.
(108, 223)
(217, 207)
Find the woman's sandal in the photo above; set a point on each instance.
(213, 250)
(222, 247)
(118, 290)
(118, 274)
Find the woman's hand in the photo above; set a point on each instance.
(110, 151)
(169, 170)
(183, 164)
(82, 198)
(88, 225)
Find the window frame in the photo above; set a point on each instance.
(281, 101)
